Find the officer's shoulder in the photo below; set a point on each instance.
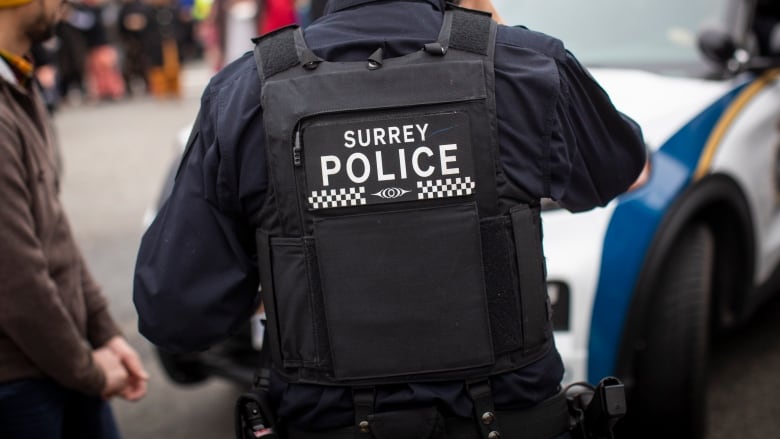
(243, 70)
(520, 37)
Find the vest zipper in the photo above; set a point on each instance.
(298, 177)
(297, 147)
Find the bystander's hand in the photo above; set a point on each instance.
(115, 373)
(482, 5)
(137, 375)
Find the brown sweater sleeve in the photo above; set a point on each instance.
(32, 313)
(100, 325)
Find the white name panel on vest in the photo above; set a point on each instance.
(405, 158)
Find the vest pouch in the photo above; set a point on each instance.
(404, 292)
(293, 294)
(535, 303)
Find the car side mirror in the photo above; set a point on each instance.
(774, 41)
(718, 46)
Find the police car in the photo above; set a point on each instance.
(642, 285)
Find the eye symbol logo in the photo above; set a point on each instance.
(391, 193)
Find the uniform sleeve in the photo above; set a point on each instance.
(196, 281)
(32, 314)
(597, 152)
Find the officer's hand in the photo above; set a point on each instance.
(115, 373)
(643, 177)
(483, 5)
(137, 375)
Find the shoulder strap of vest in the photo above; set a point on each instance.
(469, 30)
(282, 49)
(462, 29)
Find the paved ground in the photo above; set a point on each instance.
(116, 156)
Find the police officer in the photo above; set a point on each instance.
(383, 168)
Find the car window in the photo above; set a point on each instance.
(658, 34)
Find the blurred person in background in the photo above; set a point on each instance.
(228, 30)
(104, 78)
(84, 30)
(189, 46)
(275, 14)
(133, 30)
(62, 356)
(163, 49)
(44, 57)
(71, 59)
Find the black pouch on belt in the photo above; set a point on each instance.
(424, 423)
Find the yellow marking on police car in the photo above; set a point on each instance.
(725, 122)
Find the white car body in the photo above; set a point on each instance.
(746, 151)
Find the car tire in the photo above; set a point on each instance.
(182, 368)
(669, 396)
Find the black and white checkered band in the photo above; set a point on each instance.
(449, 187)
(343, 197)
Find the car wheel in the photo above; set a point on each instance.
(669, 397)
(182, 368)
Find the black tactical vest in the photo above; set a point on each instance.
(391, 246)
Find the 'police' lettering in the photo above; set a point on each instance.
(326, 170)
(359, 167)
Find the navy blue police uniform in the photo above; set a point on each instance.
(196, 279)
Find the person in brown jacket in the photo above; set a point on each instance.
(61, 354)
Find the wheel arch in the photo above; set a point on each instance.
(718, 202)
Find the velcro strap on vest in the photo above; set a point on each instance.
(470, 31)
(275, 52)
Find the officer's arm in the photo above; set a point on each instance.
(195, 279)
(603, 150)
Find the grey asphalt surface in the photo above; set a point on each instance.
(116, 156)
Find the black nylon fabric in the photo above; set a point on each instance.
(276, 53)
(418, 311)
(320, 322)
(470, 32)
(501, 282)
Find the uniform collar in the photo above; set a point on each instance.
(339, 5)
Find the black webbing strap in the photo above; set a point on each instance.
(546, 420)
(470, 30)
(275, 52)
(282, 49)
(440, 46)
(484, 412)
(363, 401)
(463, 29)
(499, 263)
(530, 263)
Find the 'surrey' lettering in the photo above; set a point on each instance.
(385, 136)
(388, 156)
